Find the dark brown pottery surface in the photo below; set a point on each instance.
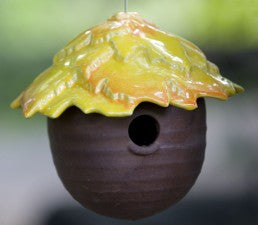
(129, 167)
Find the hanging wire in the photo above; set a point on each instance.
(125, 6)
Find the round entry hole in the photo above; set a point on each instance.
(143, 130)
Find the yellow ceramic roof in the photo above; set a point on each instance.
(114, 66)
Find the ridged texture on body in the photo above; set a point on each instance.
(114, 66)
(93, 160)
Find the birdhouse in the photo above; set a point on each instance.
(126, 115)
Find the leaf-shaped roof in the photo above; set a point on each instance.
(114, 66)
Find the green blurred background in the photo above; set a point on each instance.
(32, 31)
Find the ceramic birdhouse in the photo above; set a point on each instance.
(126, 115)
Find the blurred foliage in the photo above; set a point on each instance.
(32, 31)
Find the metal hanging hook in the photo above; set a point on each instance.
(125, 6)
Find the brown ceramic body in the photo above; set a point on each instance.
(99, 164)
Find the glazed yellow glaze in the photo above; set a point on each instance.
(113, 67)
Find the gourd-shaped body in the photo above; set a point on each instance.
(129, 167)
